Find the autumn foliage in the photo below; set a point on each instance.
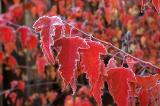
(80, 51)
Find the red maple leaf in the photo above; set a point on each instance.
(147, 81)
(32, 42)
(68, 56)
(118, 79)
(13, 96)
(23, 34)
(7, 34)
(144, 97)
(90, 59)
(47, 25)
(156, 4)
(21, 85)
(41, 62)
(8, 38)
(16, 11)
(14, 84)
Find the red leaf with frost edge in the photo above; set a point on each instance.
(118, 79)
(7, 34)
(41, 62)
(69, 55)
(17, 11)
(14, 84)
(147, 81)
(13, 97)
(144, 97)
(21, 85)
(8, 38)
(32, 42)
(1, 78)
(23, 34)
(1, 56)
(99, 85)
(156, 4)
(90, 59)
(46, 26)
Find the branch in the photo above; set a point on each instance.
(109, 44)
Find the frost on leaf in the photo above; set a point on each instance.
(90, 60)
(47, 26)
(118, 79)
(23, 34)
(69, 55)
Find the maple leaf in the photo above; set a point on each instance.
(90, 59)
(8, 38)
(21, 85)
(118, 79)
(14, 84)
(41, 62)
(16, 11)
(7, 34)
(68, 56)
(46, 26)
(32, 42)
(23, 33)
(147, 81)
(13, 96)
(144, 97)
(156, 4)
